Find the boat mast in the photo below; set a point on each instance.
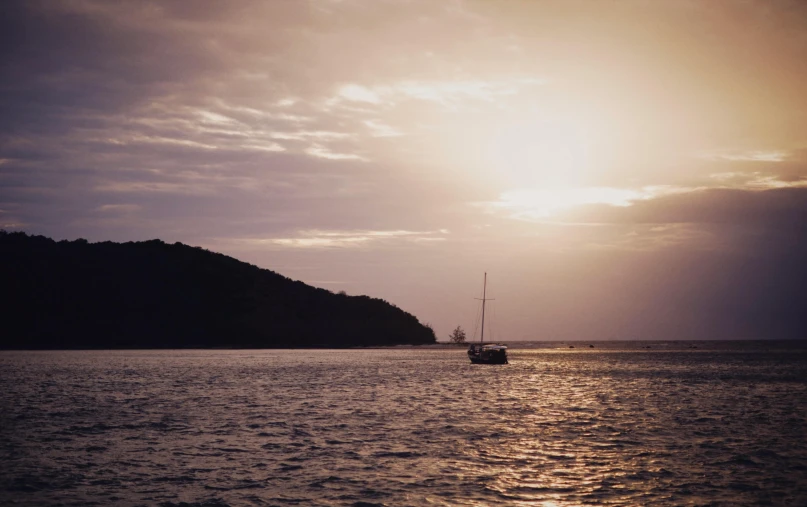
(484, 290)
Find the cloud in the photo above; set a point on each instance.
(320, 151)
(657, 218)
(778, 207)
(346, 239)
(118, 208)
(543, 203)
(379, 129)
(446, 93)
(748, 156)
(358, 93)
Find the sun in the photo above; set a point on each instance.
(534, 153)
(545, 165)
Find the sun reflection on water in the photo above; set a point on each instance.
(405, 427)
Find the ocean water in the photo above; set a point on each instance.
(723, 424)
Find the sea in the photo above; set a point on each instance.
(563, 424)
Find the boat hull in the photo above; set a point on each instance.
(490, 354)
(491, 360)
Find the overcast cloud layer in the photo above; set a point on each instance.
(625, 170)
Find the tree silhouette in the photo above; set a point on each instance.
(151, 294)
(458, 335)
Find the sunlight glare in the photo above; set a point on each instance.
(542, 203)
(535, 153)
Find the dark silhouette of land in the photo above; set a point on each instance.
(150, 294)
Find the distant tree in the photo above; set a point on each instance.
(458, 335)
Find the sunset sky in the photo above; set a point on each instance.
(621, 169)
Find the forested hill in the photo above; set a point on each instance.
(150, 294)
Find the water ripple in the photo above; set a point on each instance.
(403, 427)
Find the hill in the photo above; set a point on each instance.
(150, 294)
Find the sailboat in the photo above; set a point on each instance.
(486, 353)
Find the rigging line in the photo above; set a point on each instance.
(484, 299)
(496, 319)
(476, 321)
(489, 312)
(493, 321)
(490, 315)
(478, 317)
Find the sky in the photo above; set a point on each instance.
(621, 170)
